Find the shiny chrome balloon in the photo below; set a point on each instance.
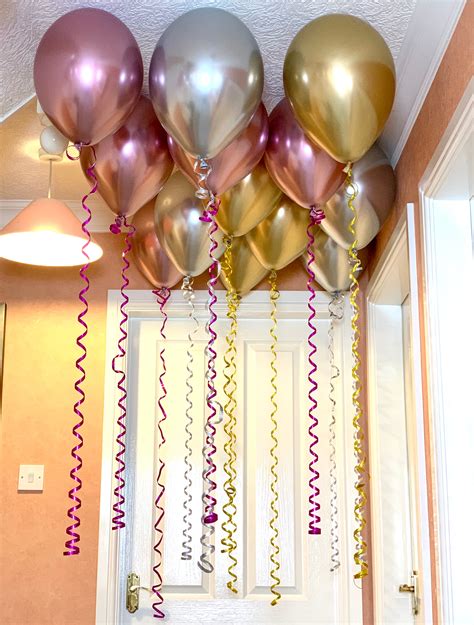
(206, 80)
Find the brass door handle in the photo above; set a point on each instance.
(406, 588)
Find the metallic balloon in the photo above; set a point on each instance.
(148, 254)
(281, 237)
(180, 230)
(376, 185)
(206, 80)
(339, 77)
(331, 263)
(248, 202)
(88, 74)
(133, 164)
(235, 161)
(303, 170)
(246, 272)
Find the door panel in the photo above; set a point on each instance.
(311, 594)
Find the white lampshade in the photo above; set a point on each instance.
(46, 232)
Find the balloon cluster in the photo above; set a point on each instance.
(265, 189)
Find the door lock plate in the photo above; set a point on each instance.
(413, 590)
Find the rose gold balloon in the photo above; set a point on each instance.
(303, 170)
(88, 74)
(133, 164)
(148, 254)
(235, 161)
(376, 186)
(281, 237)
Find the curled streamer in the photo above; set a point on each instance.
(275, 548)
(189, 296)
(209, 516)
(71, 544)
(335, 314)
(229, 526)
(316, 216)
(119, 367)
(360, 553)
(162, 297)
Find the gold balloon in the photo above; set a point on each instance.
(246, 272)
(339, 76)
(248, 202)
(375, 181)
(331, 265)
(179, 228)
(281, 237)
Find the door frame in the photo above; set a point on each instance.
(450, 146)
(388, 276)
(291, 305)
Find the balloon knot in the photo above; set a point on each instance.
(210, 518)
(116, 227)
(317, 215)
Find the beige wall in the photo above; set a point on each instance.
(40, 586)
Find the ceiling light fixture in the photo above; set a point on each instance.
(47, 233)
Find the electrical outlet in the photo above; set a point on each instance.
(31, 477)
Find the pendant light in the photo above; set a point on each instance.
(47, 233)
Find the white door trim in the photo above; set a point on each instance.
(452, 143)
(387, 276)
(293, 305)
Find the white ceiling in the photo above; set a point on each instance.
(417, 32)
(273, 22)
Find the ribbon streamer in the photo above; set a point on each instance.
(209, 516)
(162, 297)
(119, 367)
(316, 216)
(229, 526)
(188, 296)
(335, 308)
(71, 544)
(360, 553)
(275, 548)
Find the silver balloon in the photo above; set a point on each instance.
(375, 180)
(331, 263)
(182, 234)
(206, 80)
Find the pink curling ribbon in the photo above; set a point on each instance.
(71, 545)
(162, 297)
(316, 216)
(210, 516)
(118, 366)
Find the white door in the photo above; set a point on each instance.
(311, 594)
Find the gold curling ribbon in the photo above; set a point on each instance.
(230, 510)
(360, 554)
(275, 549)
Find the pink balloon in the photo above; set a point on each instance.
(133, 164)
(88, 74)
(235, 161)
(148, 254)
(302, 170)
